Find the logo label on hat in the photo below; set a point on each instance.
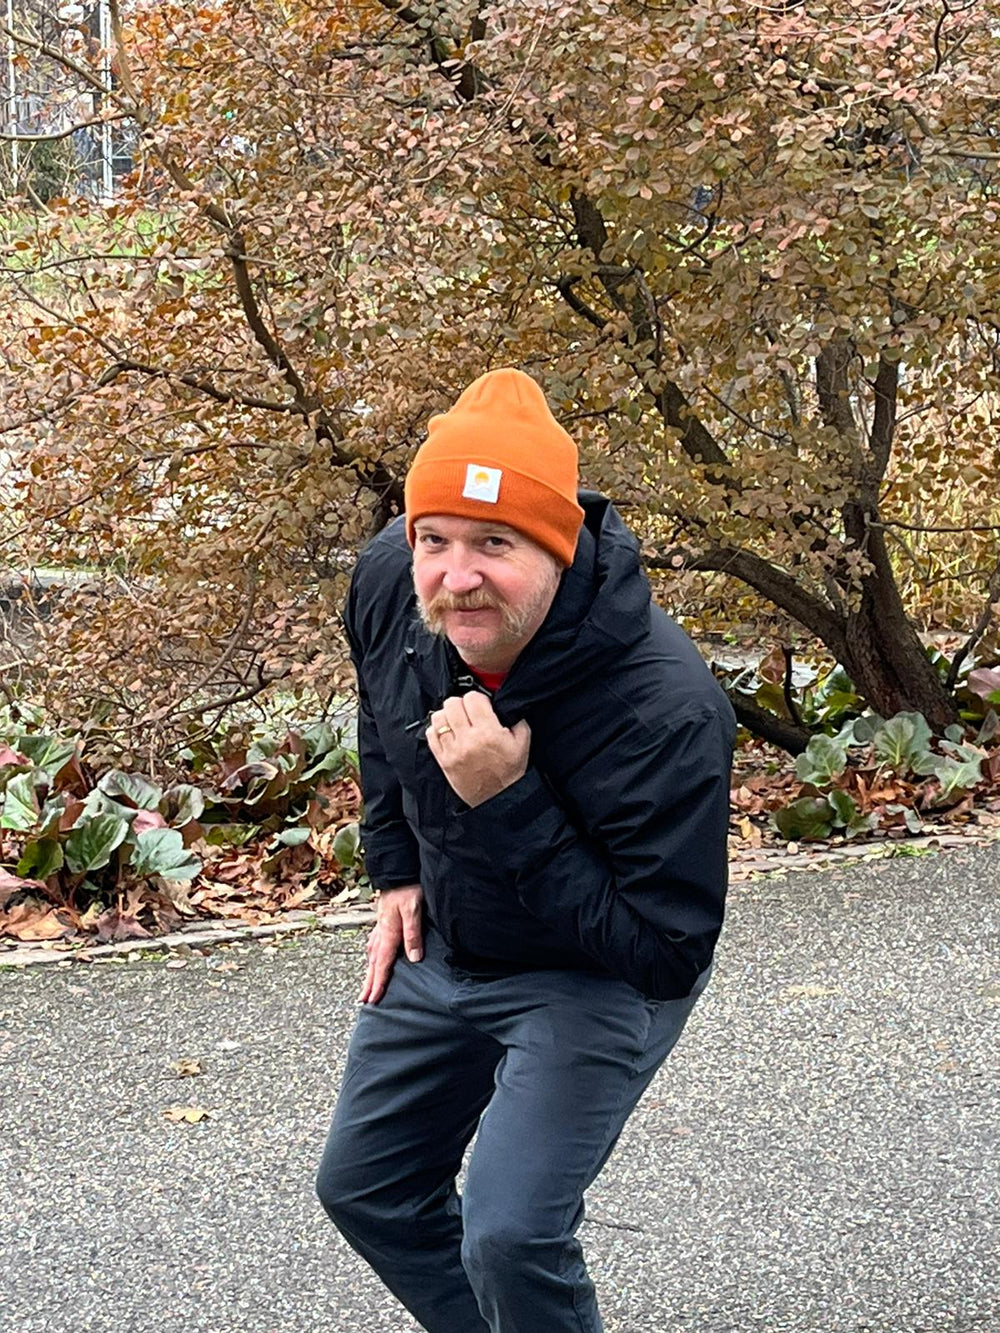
(482, 483)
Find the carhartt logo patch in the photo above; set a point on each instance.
(482, 483)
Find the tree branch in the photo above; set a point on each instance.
(884, 419)
(833, 390)
(62, 134)
(468, 80)
(239, 631)
(695, 439)
(193, 382)
(67, 62)
(767, 725)
(787, 690)
(124, 65)
(101, 489)
(925, 527)
(938, 29)
(564, 286)
(387, 488)
(235, 251)
(767, 579)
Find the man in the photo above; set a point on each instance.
(545, 763)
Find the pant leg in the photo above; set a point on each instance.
(580, 1051)
(416, 1081)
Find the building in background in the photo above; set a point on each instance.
(52, 144)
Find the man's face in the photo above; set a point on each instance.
(484, 586)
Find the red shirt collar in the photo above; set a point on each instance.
(491, 679)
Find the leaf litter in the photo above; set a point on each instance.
(252, 882)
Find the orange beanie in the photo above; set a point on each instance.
(500, 454)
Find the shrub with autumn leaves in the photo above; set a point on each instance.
(748, 250)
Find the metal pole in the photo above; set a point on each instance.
(107, 147)
(12, 95)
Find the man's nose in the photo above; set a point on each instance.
(461, 572)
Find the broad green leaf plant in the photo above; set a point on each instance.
(840, 773)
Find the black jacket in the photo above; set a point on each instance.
(610, 853)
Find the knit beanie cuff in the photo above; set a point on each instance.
(466, 490)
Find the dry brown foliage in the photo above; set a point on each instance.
(749, 251)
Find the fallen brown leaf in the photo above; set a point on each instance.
(177, 892)
(186, 1115)
(11, 884)
(299, 897)
(119, 925)
(29, 921)
(186, 1068)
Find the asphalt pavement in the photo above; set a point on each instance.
(819, 1155)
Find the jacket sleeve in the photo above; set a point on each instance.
(642, 891)
(392, 857)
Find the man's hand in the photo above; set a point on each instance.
(398, 922)
(478, 756)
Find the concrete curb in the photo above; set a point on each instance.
(210, 932)
(749, 867)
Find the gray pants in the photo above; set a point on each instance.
(549, 1065)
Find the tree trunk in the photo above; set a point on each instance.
(891, 670)
(877, 645)
(884, 656)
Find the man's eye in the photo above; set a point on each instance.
(496, 543)
(429, 539)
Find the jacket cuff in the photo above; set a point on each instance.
(520, 823)
(392, 865)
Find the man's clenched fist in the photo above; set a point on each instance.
(478, 755)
